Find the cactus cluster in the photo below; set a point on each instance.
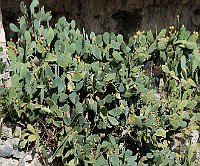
(90, 99)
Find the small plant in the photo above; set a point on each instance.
(2, 63)
(88, 99)
(3, 91)
(2, 66)
(4, 112)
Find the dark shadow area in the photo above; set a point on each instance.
(128, 22)
(8, 18)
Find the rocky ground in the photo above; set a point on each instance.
(5, 77)
(10, 154)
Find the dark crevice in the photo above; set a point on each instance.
(128, 22)
(97, 17)
(9, 17)
(197, 11)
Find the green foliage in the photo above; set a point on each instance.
(90, 100)
(3, 91)
(2, 66)
(3, 102)
(2, 63)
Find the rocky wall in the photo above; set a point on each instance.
(120, 16)
(10, 154)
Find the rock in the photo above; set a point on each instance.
(18, 132)
(2, 161)
(8, 83)
(9, 162)
(5, 76)
(195, 136)
(15, 162)
(6, 151)
(119, 16)
(1, 142)
(194, 141)
(18, 155)
(6, 132)
(23, 163)
(50, 160)
(28, 158)
(6, 162)
(35, 162)
(14, 142)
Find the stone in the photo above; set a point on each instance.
(119, 16)
(4, 76)
(9, 162)
(18, 132)
(1, 141)
(6, 162)
(6, 151)
(2, 161)
(8, 83)
(28, 158)
(23, 163)
(15, 162)
(35, 162)
(6, 132)
(14, 142)
(50, 160)
(19, 155)
(195, 136)
(194, 141)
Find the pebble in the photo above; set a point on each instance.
(9, 162)
(15, 162)
(6, 132)
(28, 158)
(14, 142)
(36, 162)
(10, 155)
(23, 163)
(18, 132)
(19, 155)
(6, 151)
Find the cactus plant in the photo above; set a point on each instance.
(91, 99)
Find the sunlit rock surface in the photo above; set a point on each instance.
(120, 16)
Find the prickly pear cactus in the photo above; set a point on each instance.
(90, 100)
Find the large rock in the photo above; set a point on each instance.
(120, 16)
(14, 142)
(6, 132)
(6, 151)
(35, 162)
(18, 132)
(6, 162)
(18, 155)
